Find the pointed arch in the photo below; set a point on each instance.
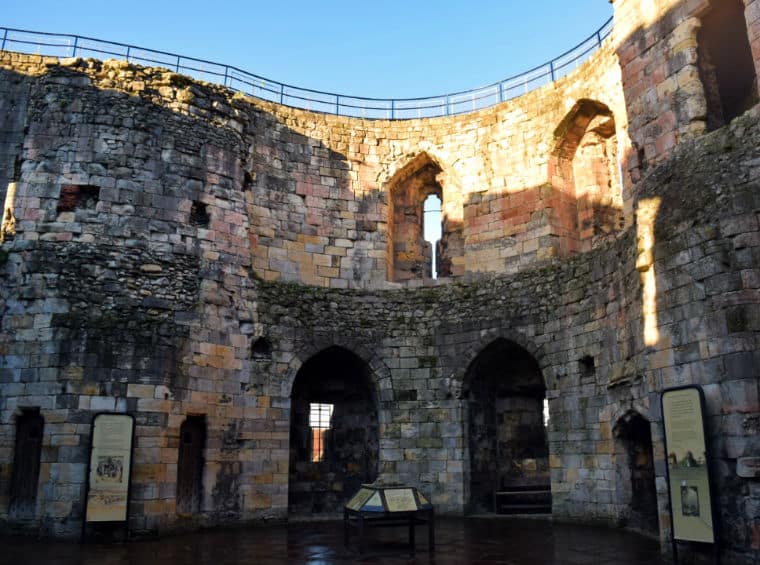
(381, 375)
(409, 255)
(583, 169)
(486, 338)
(506, 439)
(725, 62)
(633, 461)
(334, 431)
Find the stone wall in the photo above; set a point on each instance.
(181, 251)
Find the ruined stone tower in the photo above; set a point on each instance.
(250, 281)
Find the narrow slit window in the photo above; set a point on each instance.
(431, 221)
(319, 422)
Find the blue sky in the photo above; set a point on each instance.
(375, 49)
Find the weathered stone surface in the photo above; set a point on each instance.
(213, 245)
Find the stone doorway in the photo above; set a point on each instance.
(26, 464)
(333, 433)
(507, 439)
(192, 441)
(634, 461)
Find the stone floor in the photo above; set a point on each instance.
(506, 541)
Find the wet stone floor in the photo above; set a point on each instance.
(458, 541)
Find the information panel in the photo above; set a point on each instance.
(400, 500)
(110, 464)
(359, 499)
(689, 480)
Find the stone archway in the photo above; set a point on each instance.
(635, 491)
(583, 167)
(409, 254)
(334, 444)
(504, 394)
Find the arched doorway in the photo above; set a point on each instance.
(333, 432)
(26, 464)
(507, 439)
(192, 441)
(636, 491)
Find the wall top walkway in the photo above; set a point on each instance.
(64, 45)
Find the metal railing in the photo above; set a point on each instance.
(63, 45)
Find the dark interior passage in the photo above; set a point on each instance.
(333, 432)
(726, 67)
(507, 437)
(635, 471)
(26, 464)
(192, 440)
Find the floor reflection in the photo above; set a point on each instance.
(506, 541)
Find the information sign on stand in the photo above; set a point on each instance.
(108, 480)
(691, 503)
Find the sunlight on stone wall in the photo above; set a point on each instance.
(645, 216)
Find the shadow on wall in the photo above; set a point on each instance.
(699, 74)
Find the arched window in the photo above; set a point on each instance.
(584, 170)
(432, 230)
(726, 67)
(425, 241)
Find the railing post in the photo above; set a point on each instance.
(448, 107)
(129, 50)
(501, 92)
(599, 38)
(5, 38)
(74, 50)
(337, 105)
(282, 94)
(226, 72)
(551, 70)
(177, 67)
(393, 109)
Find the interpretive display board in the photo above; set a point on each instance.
(359, 499)
(110, 466)
(687, 463)
(400, 500)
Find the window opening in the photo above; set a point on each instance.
(319, 422)
(261, 349)
(431, 221)
(199, 215)
(725, 63)
(587, 367)
(75, 196)
(546, 412)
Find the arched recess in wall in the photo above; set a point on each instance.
(584, 171)
(635, 489)
(506, 436)
(726, 66)
(409, 255)
(26, 464)
(190, 463)
(334, 437)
